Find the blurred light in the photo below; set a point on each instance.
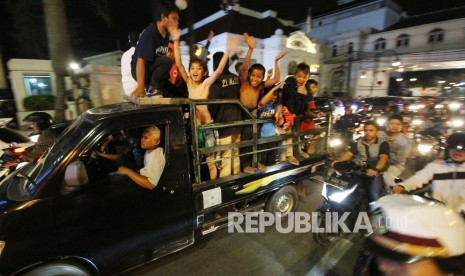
(396, 63)
(182, 4)
(424, 148)
(363, 75)
(413, 79)
(41, 84)
(74, 65)
(32, 80)
(454, 106)
(457, 123)
(417, 122)
(399, 79)
(441, 81)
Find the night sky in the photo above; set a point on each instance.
(90, 34)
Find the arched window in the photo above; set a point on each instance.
(350, 48)
(403, 40)
(436, 36)
(291, 67)
(334, 51)
(380, 44)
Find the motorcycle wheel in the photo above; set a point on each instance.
(322, 238)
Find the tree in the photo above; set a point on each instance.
(59, 48)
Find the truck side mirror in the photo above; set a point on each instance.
(75, 177)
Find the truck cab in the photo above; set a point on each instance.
(71, 212)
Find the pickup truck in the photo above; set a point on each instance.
(70, 214)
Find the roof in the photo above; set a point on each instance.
(260, 25)
(427, 18)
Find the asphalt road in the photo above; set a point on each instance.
(269, 253)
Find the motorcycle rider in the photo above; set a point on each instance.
(374, 151)
(41, 124)
(348, 120)
(365, 112)
(446, 178)
(418, 239)
(399, 146)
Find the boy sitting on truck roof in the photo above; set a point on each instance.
(154, 160)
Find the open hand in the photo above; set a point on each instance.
(280, 55)
(250, 40)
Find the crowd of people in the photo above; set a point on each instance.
(157, 55)
(261, 92)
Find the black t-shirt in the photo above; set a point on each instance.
(151, 45)
(227, 86)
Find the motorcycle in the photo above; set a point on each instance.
(427, 147)
(343, 192)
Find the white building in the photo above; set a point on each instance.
(361, 40)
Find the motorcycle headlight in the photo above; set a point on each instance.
(340, 196)
(457, 123)
(335, 142)
(454, 106)
(417, 122)
(425, 148)
(381, 121)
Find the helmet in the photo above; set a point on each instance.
(455, 141)
(415, 228)
(42, 119)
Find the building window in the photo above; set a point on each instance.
(436, 36)
(380, 44)
(37, 85)
(334, 51)
(350, 48)
(291, 67)
(402, 41)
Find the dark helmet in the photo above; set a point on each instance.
(455, 141)
(42, 119)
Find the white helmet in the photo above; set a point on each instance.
(414, 229)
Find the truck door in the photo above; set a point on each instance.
(114, 222)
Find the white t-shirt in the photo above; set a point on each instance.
(129, 83)
(154, 163)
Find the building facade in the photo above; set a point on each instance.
(372, 48)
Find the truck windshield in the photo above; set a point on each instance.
(23, 183)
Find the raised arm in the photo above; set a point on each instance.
(250, 40)
(176, 35)
(277, 74)
(268, 95)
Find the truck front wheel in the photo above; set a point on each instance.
(283, 201)
(59, 268)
